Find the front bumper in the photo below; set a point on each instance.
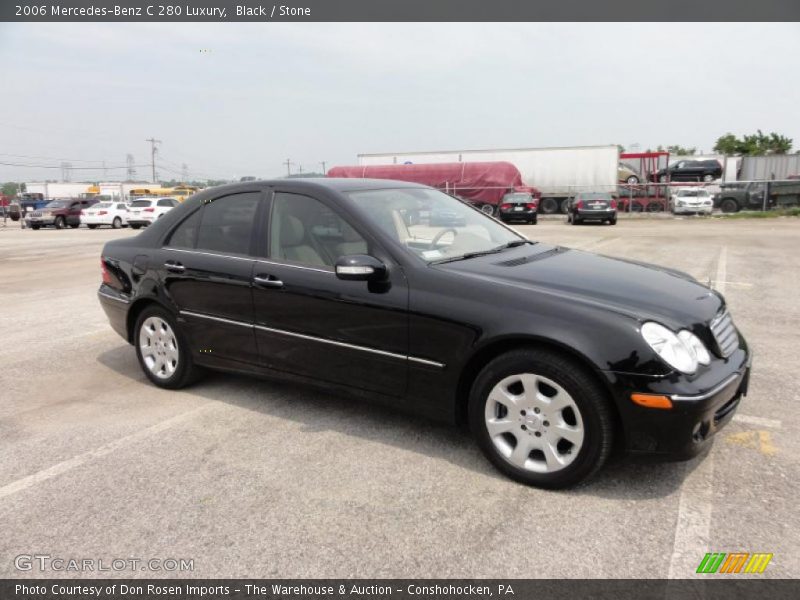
(41, 221)
(689, 210)
(700, 408)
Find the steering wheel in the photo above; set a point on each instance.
(440, 235)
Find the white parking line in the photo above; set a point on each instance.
(758, 421)
(693, 526)
(68, 465)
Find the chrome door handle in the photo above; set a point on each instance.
(174, 267)
(267, 281)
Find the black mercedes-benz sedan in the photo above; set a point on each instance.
(551, 356)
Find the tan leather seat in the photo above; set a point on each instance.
(292, 243)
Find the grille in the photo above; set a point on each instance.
(725, 334)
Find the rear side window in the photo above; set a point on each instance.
(165, 202)
(140, 203)
(227, 223)
(185, 234)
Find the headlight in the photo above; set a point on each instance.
(670, 348)
(680, 203)
(695, 346)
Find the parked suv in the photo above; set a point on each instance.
(145, 211)
(58, 214)
(689, 170)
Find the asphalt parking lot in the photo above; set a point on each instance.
(255, 478)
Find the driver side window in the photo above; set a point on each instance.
(305, 231)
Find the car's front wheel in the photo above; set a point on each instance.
(541, 418)
(162, 350)
(116, 223)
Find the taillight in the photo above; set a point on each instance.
(106, 275)
(505, 206)
(531, 205)
(83, 212)
(614, 204)
(102, 212)
(579, 204)
(149, 210)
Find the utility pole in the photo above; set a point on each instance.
(288, 164)
(323, 163)
(184, 173)
(153, 149)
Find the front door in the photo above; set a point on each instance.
(207, 268)
(309, 322)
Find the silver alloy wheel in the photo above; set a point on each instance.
(534, 423)
(159, 347)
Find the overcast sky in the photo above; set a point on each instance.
(261, 93)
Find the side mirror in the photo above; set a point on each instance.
(360, 267)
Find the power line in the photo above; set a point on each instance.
(33, 166)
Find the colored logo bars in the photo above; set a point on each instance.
(735, 562)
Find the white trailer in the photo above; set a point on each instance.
(558, 173)
(52, 190)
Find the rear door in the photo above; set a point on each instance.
(207, 267)
(309, 322)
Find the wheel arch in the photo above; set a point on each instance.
(139, 305)
(492, 350)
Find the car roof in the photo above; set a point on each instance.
(342, 184)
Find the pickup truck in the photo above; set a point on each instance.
(750, 195)
(58, 214)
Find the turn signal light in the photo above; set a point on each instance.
(652, 401)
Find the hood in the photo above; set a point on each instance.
(639, 290)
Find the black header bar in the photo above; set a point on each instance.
(399, 10)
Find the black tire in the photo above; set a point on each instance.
(74, 225)
(135, 226)
(116, 223)
(186, 372)
(534, 220)
(612, 221)
(587, 394)
(549, 206)
(35, 227)
(92, 226)
(632, 180)
(576, 220)
(708, 177)
(729, 205)
(59, 223)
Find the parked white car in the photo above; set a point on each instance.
(691, 200)
(144, 211)
(113, 214)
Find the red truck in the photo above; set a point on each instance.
(482, 184)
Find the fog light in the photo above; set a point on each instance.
(652, 401)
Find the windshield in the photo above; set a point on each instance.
(434, 226)
(594, 196)
(140, 203)
(693, 193)
(56, 204)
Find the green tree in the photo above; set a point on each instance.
(10, 188)
(681, 151)
(757, 144)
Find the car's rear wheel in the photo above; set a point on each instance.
(35, 227)
(729, 205)
(135, 226)
(59, 223)
(633, 179)
(92, 226)
(162, 350)
(613, 221)
(541, 418)
(575, 220)
(708, 177)
(116, 223)
(74, 225)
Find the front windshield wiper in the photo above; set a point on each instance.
(468, 255)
